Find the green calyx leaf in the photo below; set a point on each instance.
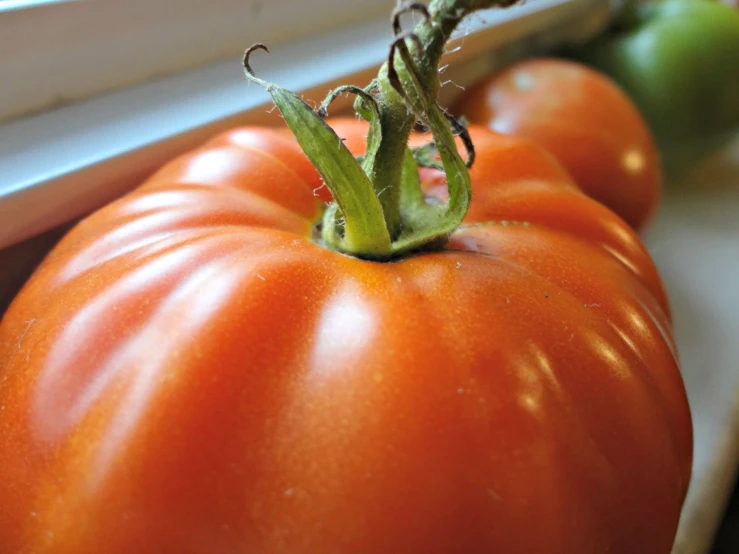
(362, 229)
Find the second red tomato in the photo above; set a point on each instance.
(585, 120)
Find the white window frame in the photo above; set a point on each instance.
(62, 163)
(58, 52)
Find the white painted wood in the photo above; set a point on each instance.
(695, 243)
(59, 52)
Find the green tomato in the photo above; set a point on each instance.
(679, 60)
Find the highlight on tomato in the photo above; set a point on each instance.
(275, 347)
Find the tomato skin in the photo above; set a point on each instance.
(585, 120)
(187, 372)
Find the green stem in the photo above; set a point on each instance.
(385, 168)
(379, 210)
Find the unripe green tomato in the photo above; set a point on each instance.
(679, 60)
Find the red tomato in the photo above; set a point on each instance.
(189, 372)
(585, 120)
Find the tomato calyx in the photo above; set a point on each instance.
(379, 211)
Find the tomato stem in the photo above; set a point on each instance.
(379, 210)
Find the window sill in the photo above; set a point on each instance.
(64, 163)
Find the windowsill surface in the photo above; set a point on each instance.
(63, 163)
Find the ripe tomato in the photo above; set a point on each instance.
(585, 120)
(189, 372)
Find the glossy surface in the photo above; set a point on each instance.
(188, 373)
(585, 120)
